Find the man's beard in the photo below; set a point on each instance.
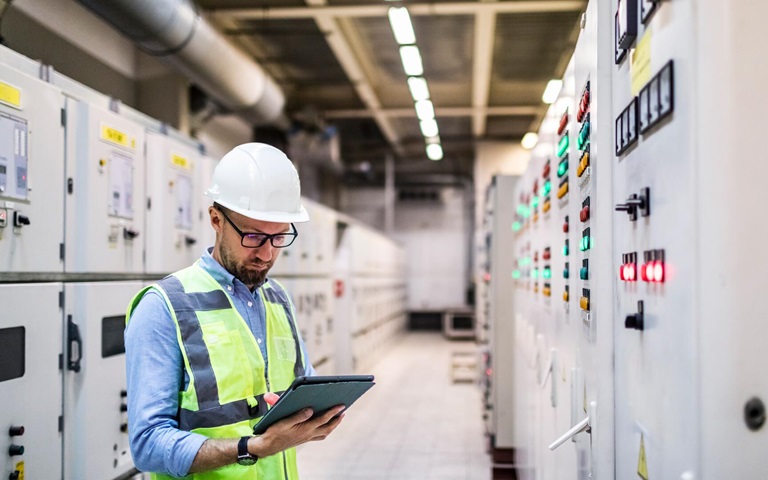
(250, 277)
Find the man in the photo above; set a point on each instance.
(207, 345)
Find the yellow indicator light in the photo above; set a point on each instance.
(547, 206)
(563, 190)
(584, 303)
(535, 217)
(547, 292)
(10, 95)
(583, 164)
(565, 296)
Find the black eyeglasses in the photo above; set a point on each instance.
(256, 240)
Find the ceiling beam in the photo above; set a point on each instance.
(485, 32)
(462, 8)
(439, 112)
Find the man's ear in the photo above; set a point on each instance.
(216, 220)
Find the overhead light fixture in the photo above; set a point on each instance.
(425, 110)
(552, 91)
(401, 25)
(429, 128)
(411, 60)
(419, 88)
(530, 140)
(435, 151)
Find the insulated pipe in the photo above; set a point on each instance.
(173, 31)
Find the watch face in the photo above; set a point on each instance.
(246, 460)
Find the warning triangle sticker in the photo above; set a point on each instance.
(642, 466)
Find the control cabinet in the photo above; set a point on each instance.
(31, 174)
(174, 196)
(95, 397)
(30, 381)
(105, 200)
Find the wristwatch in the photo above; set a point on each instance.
(244, 457)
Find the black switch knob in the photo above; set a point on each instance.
(15, 431)
(123, 408)
(130, 234)
(20, 220)
(123, 393)
(15, 475)
(124, 428)
(636, 321)
(14, 450)
(189, 241)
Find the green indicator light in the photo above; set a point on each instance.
(535, 273)
(562, 169)
(521, 209)
(565, 273)
(562, 146)
(547, 273)
(584, 273)
(516, 274)
(535, 202)
(546, 188)
(565, 250)
(516, 226)
(525, 211)
(583, 136)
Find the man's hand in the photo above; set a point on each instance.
(297, 429)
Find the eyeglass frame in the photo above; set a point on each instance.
(265, 236)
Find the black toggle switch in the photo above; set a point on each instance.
(636, 320)
(123, 408)
(124, 428)
(15, 431)
(130, 234)
(635, 203)
(15, 475)
(15, 450)
(123, 393)
(189, 241)
(20, 220)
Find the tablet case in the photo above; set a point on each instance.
(318, 396)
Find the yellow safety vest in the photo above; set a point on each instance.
(227, 378)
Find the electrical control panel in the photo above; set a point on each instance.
(30, 381)
(173, 202)
(105, 199)
(94, 380)
(31, 174)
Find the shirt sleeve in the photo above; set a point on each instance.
(154, 374)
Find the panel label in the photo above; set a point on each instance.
(642, 466)
(10, 95)
(180, 161)
(20, 469)
(115, 136)
(640, 66)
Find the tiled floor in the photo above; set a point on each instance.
(415, 424)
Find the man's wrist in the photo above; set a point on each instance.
(256, 447)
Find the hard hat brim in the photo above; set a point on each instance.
(275, 217)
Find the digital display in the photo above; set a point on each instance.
(112, 336)
(12, 349)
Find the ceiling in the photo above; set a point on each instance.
(487, 64)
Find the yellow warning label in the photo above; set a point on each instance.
(20, 469)
(180, 161)
(642, 466)
(640, 66)
(10, 95)
(115, 136)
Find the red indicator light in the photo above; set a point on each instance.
(565, 227)
(547, 170)
(631, 272)
(658, 272)
(487, 277)
(488, 371)
(621, 272)
(563, 123)
(584, 214)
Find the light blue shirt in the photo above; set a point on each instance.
(155, 375)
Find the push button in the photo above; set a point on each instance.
(584, 303)
(15, 450)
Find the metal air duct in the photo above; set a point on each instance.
(173, 31)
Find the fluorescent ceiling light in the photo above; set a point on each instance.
(419, 88)
(552, 91)
(435, 151)
(530, 140)
(425, 110)
(429, 128)
(411, 60)
(401, 25)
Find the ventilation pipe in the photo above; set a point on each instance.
(173, 31)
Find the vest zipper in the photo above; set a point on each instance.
(285, 467)
(266, 335)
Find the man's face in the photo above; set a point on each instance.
(249, 265)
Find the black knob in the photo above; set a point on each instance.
(130, 234)
(20, 220)
(16, 431)
(14, 475)
(123, 393)
(14, 450)
(636, 321)
(189, 241)
(124, 428)
(123, 408)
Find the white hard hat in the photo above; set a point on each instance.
(257, 180)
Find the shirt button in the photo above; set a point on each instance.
(258, 340)
(229, 288)
(250, 304)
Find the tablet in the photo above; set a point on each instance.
(320, 393)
